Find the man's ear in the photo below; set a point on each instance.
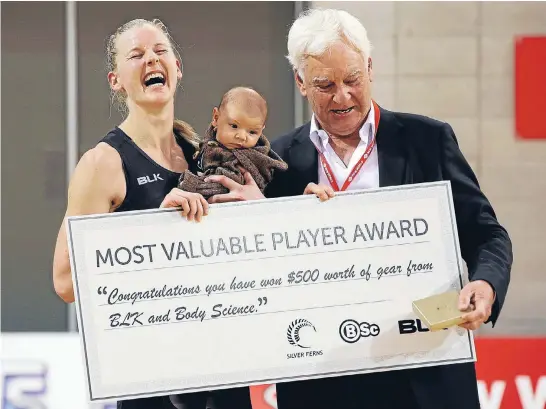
(114, 82)
(300, 83)
(370, 70)
(215, 115)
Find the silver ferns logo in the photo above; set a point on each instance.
(293, 332)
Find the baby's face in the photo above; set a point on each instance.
(237, 127)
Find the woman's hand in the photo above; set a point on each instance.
(194, 206)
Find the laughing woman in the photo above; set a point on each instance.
(144, 72)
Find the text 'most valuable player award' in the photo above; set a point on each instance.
(264, 291)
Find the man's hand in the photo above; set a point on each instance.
(323, 192)
(477, 297)
(237, 192)
(194, 205)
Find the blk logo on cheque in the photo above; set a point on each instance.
(299, 334)
(351, 331)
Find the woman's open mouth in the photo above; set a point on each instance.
(154, 80)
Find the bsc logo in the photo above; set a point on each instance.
(293, 332)
(351, 331)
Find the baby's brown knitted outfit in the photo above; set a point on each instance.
(215, 159)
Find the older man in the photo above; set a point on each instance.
(330, 54)
(352, 143)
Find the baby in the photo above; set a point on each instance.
(233, 140)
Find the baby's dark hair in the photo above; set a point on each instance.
(249, 95)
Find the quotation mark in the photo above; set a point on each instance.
(101, 291)
(262, 301)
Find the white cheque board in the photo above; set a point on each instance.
(265, 291)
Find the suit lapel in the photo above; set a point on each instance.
(303, 158)
(391, 149)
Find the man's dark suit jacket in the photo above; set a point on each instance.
(411, 149)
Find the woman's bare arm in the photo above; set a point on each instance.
(97, 186)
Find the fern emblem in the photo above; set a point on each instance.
(293, 332)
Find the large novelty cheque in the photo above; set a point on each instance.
(264, 291)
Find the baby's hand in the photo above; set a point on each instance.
(323, 192)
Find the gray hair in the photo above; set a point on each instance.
(315, 30)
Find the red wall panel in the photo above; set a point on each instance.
(530, 87)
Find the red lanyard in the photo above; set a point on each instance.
(359, 164)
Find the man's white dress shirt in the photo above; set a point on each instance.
(368, 177)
